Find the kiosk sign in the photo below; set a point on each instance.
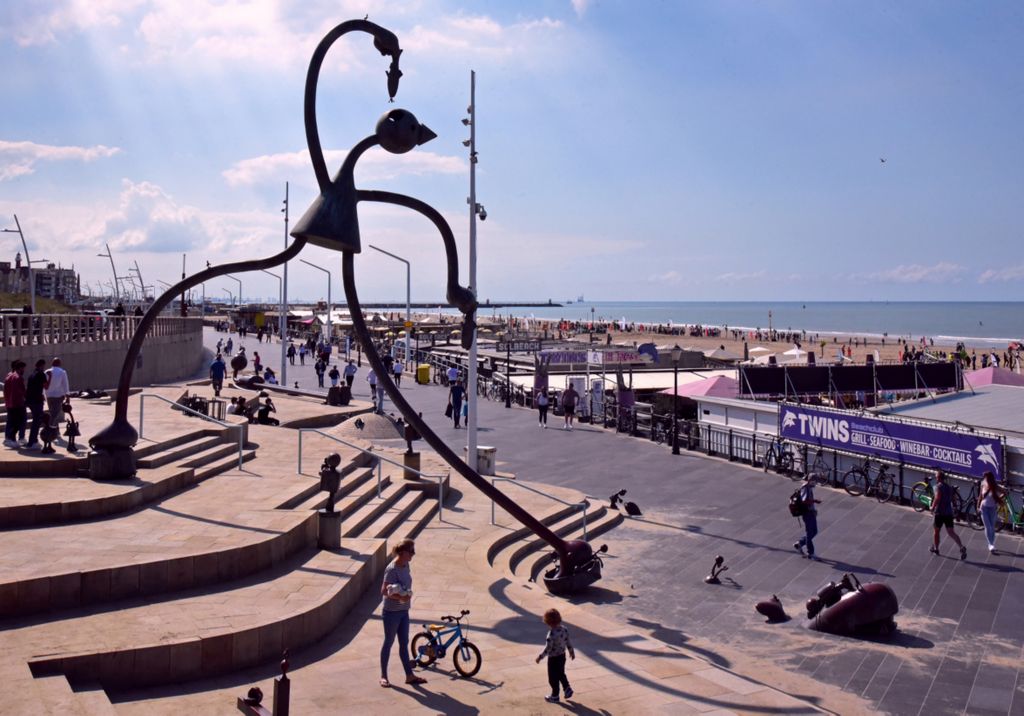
(962, 453)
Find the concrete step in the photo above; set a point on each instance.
(200, 635)
(501, 545)
(148, 486)
(571, 524)
(349, 484)
(351, 461)
(390, 519)
(533, 565)
(414, 523)
(179, 452)
(354, 522)
(93, 700)
(56, 696)
(150, 449)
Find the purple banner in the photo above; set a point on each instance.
(956, 452)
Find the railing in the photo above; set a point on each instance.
(582, 505)
(179, 406)
(379, 458)
(49, 329)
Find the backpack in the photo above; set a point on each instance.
(797, 508)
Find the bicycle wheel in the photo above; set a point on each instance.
(885, 488)
(467, 659)
(921, 496)
(768, 460)
(1002, 518)
(423, 649)
(855, 481)
(785, 465)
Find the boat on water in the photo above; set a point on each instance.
(579, 299)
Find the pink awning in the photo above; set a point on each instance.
(721, 386)
(993, 376)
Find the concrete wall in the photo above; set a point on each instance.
(97, 364)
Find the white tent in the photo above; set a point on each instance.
(758, 350)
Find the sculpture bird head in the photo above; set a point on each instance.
(398, 131)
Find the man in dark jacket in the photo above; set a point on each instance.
(36, 402)
(14, 400)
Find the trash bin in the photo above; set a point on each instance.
(423, 373)
(485, 458)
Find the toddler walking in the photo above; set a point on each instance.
(557, 644)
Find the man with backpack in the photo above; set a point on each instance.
(802, 504)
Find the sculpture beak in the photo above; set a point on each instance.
(425, 135)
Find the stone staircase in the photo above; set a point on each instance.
(522, 555)
(195, 569)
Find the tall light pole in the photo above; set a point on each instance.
(280, 288)
(117, 285)
(321, 268)
(474, 211)
(677, 353)
(227, 275)
(28, 262)
(231, 296)
(408, 296)
(283, 327)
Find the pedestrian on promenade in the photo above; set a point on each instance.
(218, 369)
(14, 400)
(942, 508)
(569, 398)
(229, 346)
(320, 368)
(397, 369)
(557, 644)
(257, 363)
(452, 374)
(302, 354)
(810, 519)
(291, 353)
(334, 375)
(542, 408)
(371, 378)
(35, 400)
(988, 505)
(57, 389)
(456, 393)
(350, 373)
(396, 589)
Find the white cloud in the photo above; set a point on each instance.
(1008, 273)
(375, 165)
(916, 273)
(40, 23)
(478, 36)
(580, 6)
(667, 277)
(739, 277)
(149, 219)
(20, 158)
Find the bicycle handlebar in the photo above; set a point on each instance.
(450, 618)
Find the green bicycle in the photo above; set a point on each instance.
(433, 643)
(1008, 515)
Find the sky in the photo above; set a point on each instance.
(627, 150)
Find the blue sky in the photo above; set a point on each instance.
(640, 150)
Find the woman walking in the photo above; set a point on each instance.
(988, 505)
(397, 592)
(542, 408)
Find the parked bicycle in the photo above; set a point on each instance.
(433, 643)
(661, 430)
(858, 480)
(969, 505)
(820, 470)
(1009, 515)
(778, 457)
(922, 494)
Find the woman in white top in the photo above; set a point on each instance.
(542, 408)
(988, 505)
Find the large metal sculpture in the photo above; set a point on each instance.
(332, 222)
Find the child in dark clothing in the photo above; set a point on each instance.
(557, 644)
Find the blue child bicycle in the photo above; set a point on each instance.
(433, 643)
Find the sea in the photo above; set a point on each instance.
(977, 323)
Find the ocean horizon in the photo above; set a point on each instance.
(946, 322)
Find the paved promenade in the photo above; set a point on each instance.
(961, 634)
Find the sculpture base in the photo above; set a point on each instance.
(411, 460)
(328, 530)
(112, 464)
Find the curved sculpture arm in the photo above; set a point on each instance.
(432, 438)
(383, 40)
(120, 433)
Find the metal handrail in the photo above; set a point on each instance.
(179, 406)
(379, 457)
(582, 504)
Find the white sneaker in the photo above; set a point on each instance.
(991, 548)
(11, 443)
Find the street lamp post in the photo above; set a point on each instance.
(231, 296)
(330, 335)
(28, 262)
(227, 275)
(508, 371)
(591, 324)
(408, 295)
(284, 292)
(280, 326)
(677, 353)
(475, 210)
